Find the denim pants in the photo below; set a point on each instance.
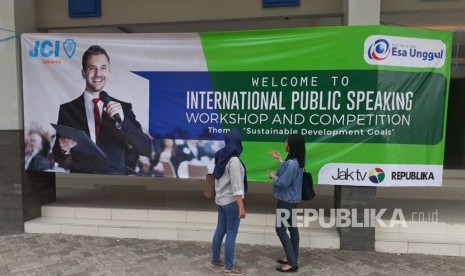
(290, 245)
(228, 224)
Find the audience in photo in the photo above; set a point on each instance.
(145, 167)
(188, 151)
(37, 151)
(174, 154)
(167, 153)
(164, 151)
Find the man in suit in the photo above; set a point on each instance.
(88, 113)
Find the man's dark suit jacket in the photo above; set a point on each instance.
(39, 162)
(114, 142)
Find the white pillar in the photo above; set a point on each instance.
(358, 12)
(10, 111)
(361, 12)
(16, 16)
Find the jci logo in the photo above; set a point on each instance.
(48, 48)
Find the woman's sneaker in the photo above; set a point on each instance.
(234, 271)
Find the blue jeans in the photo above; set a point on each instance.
(290, 245)
(228, 224)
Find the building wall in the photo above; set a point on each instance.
(21, 194)
(52, 14)
(213, 15)
(10, 117)
(10, 162)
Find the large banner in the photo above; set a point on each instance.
(370, 101)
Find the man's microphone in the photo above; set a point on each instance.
(105, 98)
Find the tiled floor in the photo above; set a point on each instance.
(58, 254)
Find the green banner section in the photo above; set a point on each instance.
(256, 157)
(328, 106)
(359, 94)
(324, 48)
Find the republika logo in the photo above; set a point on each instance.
(361, 174)
(379, 50)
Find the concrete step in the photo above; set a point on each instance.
(167, 225)
(436, 238)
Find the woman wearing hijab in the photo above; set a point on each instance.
(230, 187)
(287, 189)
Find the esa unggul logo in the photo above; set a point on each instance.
(376, 175)
(379, 50)
(404, 51)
